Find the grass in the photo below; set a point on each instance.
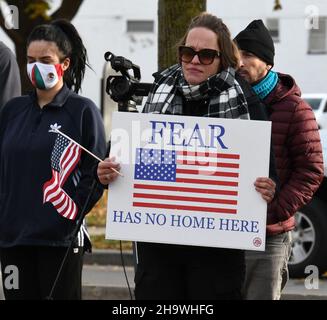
(97, 218)
(99, 242)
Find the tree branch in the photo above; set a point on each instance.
(67, 10)
(277, 5)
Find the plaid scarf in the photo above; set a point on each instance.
(226, 98)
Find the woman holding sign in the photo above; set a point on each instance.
(203, 84)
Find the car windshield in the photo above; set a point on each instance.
(323, 139)
(314, 102)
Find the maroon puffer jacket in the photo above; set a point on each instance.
(298, 153)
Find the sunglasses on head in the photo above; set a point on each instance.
(206, 56)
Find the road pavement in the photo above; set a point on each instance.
(103, 282)
(107, 282)
(104, 279)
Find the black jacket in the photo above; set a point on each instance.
(9, 75)
(25, 151)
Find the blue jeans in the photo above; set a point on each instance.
(266, 271)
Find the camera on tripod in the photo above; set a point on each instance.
(125, 88)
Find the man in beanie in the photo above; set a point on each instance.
(298, 154)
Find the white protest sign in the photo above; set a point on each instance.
(188, 180)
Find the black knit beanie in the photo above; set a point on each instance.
(255, 38)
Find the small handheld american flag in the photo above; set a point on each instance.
(64, 159)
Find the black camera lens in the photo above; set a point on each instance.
(118, 88)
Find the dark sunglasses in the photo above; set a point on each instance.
(206, 56)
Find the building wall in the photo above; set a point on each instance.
(102, 24)
(309, 70)
(104, 28)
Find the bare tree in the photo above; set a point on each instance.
(31, 14)
(173, 19)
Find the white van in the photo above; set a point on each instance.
(318, 102)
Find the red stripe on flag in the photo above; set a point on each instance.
(57, 198)
(179, 207)
(179, 198)
(48, 184)
(64, 204)
(208, 164)
(51, 190)
(69, 212)
(209, 173)
(209, 182)
(183, 189)
(208, 155)
(69, 160)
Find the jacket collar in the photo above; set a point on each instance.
(286, 86)
(59, 99)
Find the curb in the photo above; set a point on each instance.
(294, 296)
(109, 257)
(106, 293)
(90, 292)
(122, 293)
(105, 257)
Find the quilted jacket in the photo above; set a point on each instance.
(298, 153)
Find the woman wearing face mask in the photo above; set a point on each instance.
(43, 187)
(203, 84)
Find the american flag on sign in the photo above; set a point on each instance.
(182, 180)
(64, 158)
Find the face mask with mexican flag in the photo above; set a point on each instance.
(44, 76)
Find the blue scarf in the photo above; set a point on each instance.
(266, 85)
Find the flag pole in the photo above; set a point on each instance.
(89, 152)
(73, 237)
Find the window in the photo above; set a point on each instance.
(140, 26)
(318, 37)
(314, 103)
(273, 27)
